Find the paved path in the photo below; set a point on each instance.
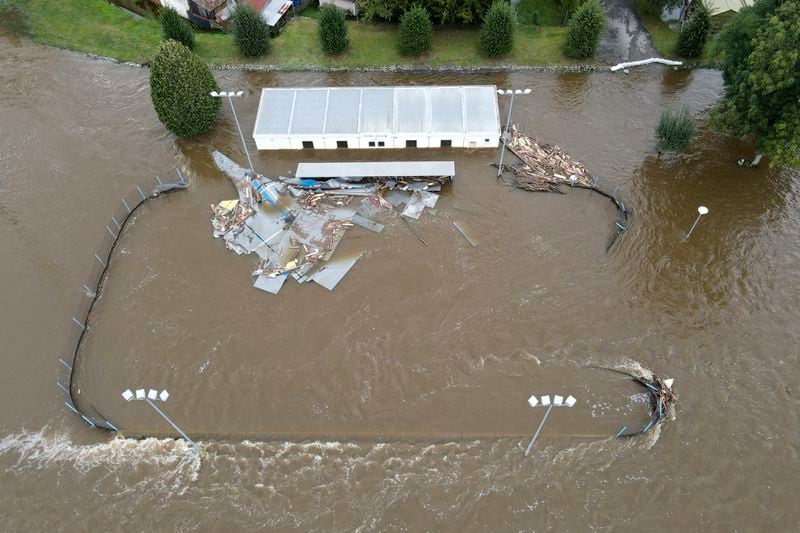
(625, 38)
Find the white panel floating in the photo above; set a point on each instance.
(128, 395)
(570, 401)
(140, 394)
(545, 400)
(533, 401)
(558, 400)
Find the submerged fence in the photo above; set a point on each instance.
(623, 212)
(92, 288)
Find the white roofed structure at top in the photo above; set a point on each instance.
(378, 117)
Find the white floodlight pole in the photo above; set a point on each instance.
(702, 210)
(508, 121)
(230, 95)
(557, 401)
(151, 395)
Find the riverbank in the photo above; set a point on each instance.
(95, 27)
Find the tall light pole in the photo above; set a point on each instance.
(557, 401)
(151, 396)
(230, 95)
(503, 141)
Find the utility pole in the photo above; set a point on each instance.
(504, 140)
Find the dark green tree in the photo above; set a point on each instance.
(250, 31)
(497, 32)
(333, 30)
(760, 48)
(585, 28)
(180, 84)
(694, 33)
(176, 27)
(416, 31)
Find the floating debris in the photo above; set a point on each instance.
(544, 167)
(295, 224)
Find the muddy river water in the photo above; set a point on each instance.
(397, 401)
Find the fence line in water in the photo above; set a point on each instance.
(101, 261)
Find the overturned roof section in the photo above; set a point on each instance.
(376, 169)
(378, 110)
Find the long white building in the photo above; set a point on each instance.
(377, 117)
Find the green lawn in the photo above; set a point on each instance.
(97, 27)
(665, 39)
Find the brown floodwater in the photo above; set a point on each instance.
(397, 401)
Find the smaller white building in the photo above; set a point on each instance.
(378, 117)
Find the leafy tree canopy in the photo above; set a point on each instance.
(497, 32)
(761, 70)
(180, 84)
(176, 27)
(416, 31)
(333, 30)
(250, 31)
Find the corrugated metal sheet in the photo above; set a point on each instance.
(378, 110)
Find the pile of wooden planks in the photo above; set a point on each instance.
(544, 167)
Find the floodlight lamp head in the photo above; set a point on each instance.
(703, 210)
(239, 93)
(527, 91)
(500, 91)
(570, 401)
(533, 401)
(128, 395)
(545, 400)
(214, 93)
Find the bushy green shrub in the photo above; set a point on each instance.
(180, 84)
(416, 31)
(497, 32)
(176, 27)
(675, 130)
(694, 33)
(250, 31)
(585, 29)
(332, 30)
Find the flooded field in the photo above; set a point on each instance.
(397, 401)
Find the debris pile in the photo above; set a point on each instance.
(294, 225)
(544, 167)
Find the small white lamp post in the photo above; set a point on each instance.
(546, 401)
(503, 141)
(702, 210)
(153, 395)
(230, 95)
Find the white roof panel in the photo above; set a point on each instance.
(446, 109)
(274, 111)
(343, 106)
(378, 110)
(376, 169)
(411, 104)
(309, 111)
(480, 117)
